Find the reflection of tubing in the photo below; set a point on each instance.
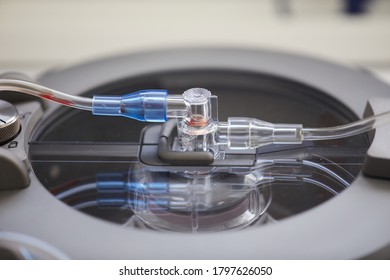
(76, 190)
(271, 164)
(85, 204)
(170, 201)
(111, 202)
(321, 185)
(327, 171)
(156, 211)
(115, 183)
(27, 247)
(117, 186)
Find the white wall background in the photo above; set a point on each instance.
(36, 35)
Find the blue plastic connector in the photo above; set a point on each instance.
(144, 105)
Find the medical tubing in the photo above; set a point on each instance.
(144, 105)
(248, 133)
(346, 130)
(62, 98)
(157, 106)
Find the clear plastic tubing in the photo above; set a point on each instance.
(144, 105)
(158, 106)
(69, 100)
(347, 130)
(247, 133)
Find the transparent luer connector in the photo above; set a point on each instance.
(196, 128)
(199, 129)
(198, 119)
(248, 133)
(176, 106)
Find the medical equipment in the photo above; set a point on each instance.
(196, 172)
(198, 110)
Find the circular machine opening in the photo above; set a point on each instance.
(72, 149)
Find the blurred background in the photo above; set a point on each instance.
(39, 35)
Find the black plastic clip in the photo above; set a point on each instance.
(165, 153)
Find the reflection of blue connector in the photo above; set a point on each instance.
(114, 190)
(144, 105)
